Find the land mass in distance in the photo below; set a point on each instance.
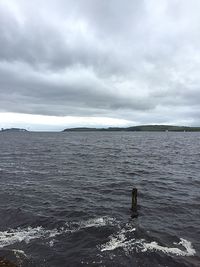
(13, 130)
(141, 128)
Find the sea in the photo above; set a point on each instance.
(65, 199)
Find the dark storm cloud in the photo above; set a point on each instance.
(137, 60)
(63, 95)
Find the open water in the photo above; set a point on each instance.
(65, 199)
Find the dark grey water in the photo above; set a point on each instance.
(65, 199)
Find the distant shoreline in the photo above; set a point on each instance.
(13, 130)
(142, 128)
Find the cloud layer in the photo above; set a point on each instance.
(133, 60)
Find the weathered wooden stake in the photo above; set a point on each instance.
(134, 203)
(134, 199)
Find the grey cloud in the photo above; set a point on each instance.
(58, 95)
(126, 59)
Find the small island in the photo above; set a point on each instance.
(141, 128)
(13, 130)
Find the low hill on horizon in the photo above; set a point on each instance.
(141, 128)
(13, 130)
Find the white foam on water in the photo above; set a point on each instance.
(154, 246)
(115, 242)
(20, 255)
(51, 243)
(119, 240)
(122, 240)
(27, 234)
(96, 222)
(188, 246)
(13, 236)
(18, 252)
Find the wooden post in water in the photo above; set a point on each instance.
(134, 199)
(134, 203)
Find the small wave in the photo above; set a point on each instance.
(17, 235)
(25, 234)
(20, 256)
(72, 227)
(96, 222)
(115, 242)
(119, 240)
(154, 246)
(122, 240)
(20, 252)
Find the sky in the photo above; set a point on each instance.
(99, 63)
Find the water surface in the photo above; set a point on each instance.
(65, 199)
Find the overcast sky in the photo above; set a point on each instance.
(66, 63)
